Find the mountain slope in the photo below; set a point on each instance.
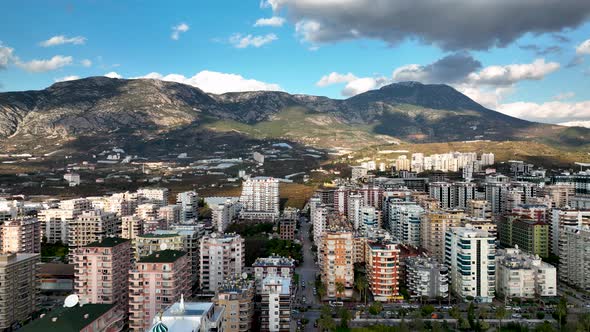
(119, 111)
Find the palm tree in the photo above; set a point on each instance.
(345, 316)
(340, 288)
(500, 314)
(561, 310)
(361, 285)
(456, 314)
(321, 290)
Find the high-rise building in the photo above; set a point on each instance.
(158, 196)
(21, 235)
(560, 194)
(463, 193)
(355, 203)
(563, 218)
(55, 222)
(337, 267)
(237, 297)
(580, 181)
(189, 316)
(404, 221)
(426, 277)
(433, 228)
(370, 218)
(482, 224)
(523, 275)
(358, 173)
(470, 256)
(272, 266)
(496, 191)
(529, 235)
(479, 209)
(319, 217)
(574, 256)
(276, 304)
(155, 283)
(131, 227)
(222, 257)
(189, 206)
(260, 198)
(382, 270)
(102, 272)
(223, 213)
(18, 288)
(92, 226)
(169, 214)
(442, 192)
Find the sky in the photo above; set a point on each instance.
(525, 58)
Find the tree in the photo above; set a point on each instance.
(375, 308)
(471, 315)
(456, 314)
(561, 311)
(321, 288)
(361, 285)
(345, 317)
(500, 314)
(340, 289)
(427, 310)
(326, 322)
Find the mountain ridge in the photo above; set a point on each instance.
(147, 108)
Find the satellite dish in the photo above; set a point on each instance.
(214, 235)
(244, 275)
(163, 246)
(71, 301)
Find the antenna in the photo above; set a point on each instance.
(71, 301)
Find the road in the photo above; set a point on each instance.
(307, 272)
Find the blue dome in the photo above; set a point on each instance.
(159, 327)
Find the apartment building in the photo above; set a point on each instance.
(337, 267)
(529, 235)
(426, 277)
(22, 234)
(221, 257)
(276, 304)
(272, 266)
(189, 206)
(574, 256)
(92, 226)
(101, 272)
(155, 283)
(523, 275)
(383, 270)
(564, 218)
(157, 196)
(131, 227)
(404, 221)
(433, 228)
(260, 198)
(470, 258)
(18, 287)
(237, 297)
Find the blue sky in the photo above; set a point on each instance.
(528, 60)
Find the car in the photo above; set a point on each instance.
(336, 303)
(315, 323)
(516, 316)
(304, 299)
(294, 312)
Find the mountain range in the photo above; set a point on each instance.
(140, 114)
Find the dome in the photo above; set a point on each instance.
(159, 327)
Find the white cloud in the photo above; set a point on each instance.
(216, 82)
(112, 74)
(240, 41)
(86, 63)
(6, 56)
(67, 78)
(576, 124)
(274, 21)
(61, 39)
(335, 78)
(510, 74)
(564, 96)
(177, 30)
(551, 112)
(583, 48)
(37, 66)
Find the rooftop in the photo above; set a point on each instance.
(164, 256)
(159, 235)
(68, 319)
(108, 242)
(274, 261)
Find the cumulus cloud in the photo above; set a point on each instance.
(38, 66)
(510, 74)
(240, 41)
(450, 69)
(275, 21)
(335, 78)
(86, 63)
(61, 39)
(178, 29)
(564, 96)
(67, 78)
(576, 124)
(363, 84)
(452, 24)
(6, 56)
(583, 48)
(550, 112)
(216, 82)
(112, 74)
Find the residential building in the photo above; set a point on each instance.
(221, 257)
(131, 227)
(272, 266)
(18, 288)
(82, 318)
(574, 256)
(383, 270)
(404, 221)
(358, 173)
(155, 283)
(564, 218)
(102, 272)
(158, 196)
(276, 304)
(560, 194)
(237, 297)
(470, 257)
(337, 263)
(370, 218)
(55, 224)
(433, 228)
(530, 235)
(21, 235)
(92, 226)
(523, 275)
(189, 206)
(260, 198)
(287, 229)
(222, 214)
(426, 277)
(189, 316)
(169, 214)
(479, 209)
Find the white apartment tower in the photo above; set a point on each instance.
(522, 275)
(189, 206)
(222, 257)
(260, 198)
(404, 221)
